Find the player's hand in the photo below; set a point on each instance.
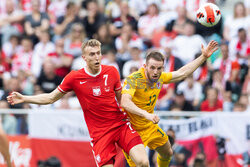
(152, 117)
(15, 98)
(210, 49)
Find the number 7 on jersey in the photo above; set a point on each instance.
(106, 78)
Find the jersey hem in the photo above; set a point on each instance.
(118, 88)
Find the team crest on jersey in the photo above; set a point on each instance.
(127, 87)
(97, 91)
(158, 85)
(107, 89)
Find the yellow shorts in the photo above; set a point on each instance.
(152, 137)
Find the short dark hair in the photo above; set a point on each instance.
(69, 5)
(212, 88)
(91, 1)
(25, 37)
(241, 30)
(156, 55)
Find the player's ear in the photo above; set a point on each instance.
(83, 56)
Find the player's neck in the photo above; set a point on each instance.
(92, 70)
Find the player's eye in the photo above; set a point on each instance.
(152, 67)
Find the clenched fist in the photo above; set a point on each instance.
(152, 117)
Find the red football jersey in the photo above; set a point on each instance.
(96, 94)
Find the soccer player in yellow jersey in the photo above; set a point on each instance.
(139, 95)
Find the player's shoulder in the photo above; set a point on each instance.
(108, 68)
(165, 74)
(75, 72)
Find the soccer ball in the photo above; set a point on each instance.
(208, 15)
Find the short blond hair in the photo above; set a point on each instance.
(91, 43)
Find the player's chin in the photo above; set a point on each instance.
(154, 79)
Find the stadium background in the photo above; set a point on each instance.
(37, 54)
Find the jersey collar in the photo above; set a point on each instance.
(93, 75)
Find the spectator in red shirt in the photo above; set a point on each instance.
(4, 69)
(124, 18)
(22, 60)
(212, 103)
(62, 61)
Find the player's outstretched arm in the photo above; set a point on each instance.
(42, 99)
(128, 105)
(188, 69)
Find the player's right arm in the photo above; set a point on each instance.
(45, 98)
(128, 91)
(189, 68)
(42, 99)
(128, 105)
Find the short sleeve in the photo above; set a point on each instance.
(28, 18)
(129, 86)
(166, 76)
(66, 84)
(118, 85)
(60, 20)
(45, 16)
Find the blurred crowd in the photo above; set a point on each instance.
(40, 43)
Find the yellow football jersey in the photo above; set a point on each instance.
(143, 95)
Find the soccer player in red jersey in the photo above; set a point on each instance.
(98, 89)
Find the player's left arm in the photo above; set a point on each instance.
(188, 69)
(42, 99)
(118, 95)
